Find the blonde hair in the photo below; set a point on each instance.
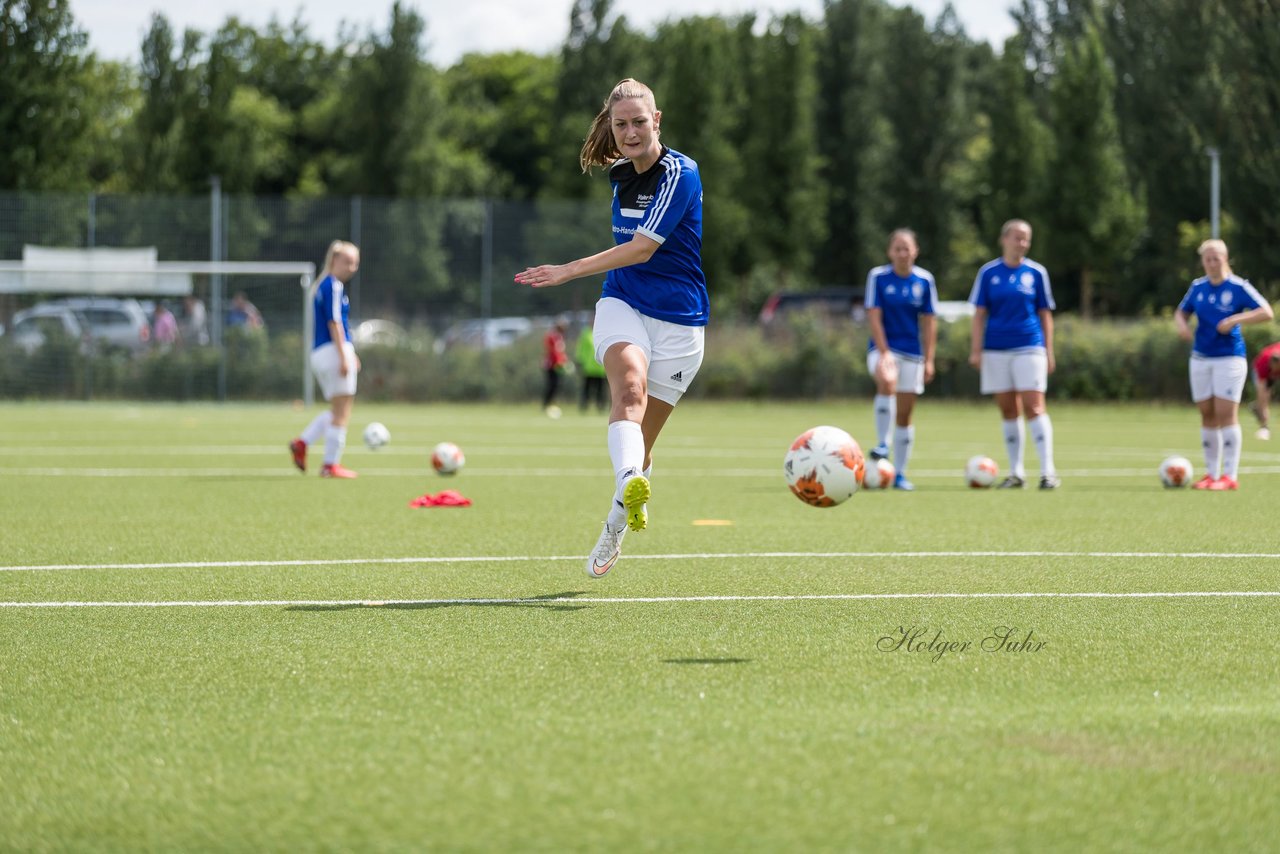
(600, 148)
(334, 248)
(1213, 243)
(1012, 224)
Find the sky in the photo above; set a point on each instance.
(116, 27)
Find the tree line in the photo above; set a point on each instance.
(815, 137)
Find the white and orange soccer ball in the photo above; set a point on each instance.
(1176, 472)
(824, 466)
(980, 472)
(878, 475)
(447, 458)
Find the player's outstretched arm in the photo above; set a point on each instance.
(637, 250)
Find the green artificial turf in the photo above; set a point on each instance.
(448, 678)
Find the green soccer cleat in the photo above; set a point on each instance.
(634, 495)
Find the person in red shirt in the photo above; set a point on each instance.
(555, 361)
(1266, 373)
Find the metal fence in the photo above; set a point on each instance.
(424, 261)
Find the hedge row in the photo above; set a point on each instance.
(807, 358)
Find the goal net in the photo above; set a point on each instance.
(108, 324)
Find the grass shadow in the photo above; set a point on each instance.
(545, 602)
(707, 661)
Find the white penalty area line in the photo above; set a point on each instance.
(390, 561)
(640, 600)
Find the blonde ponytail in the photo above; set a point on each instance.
(600, 149)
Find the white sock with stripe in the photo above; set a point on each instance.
(1014, 440)
(1211, 441)
(316, 428)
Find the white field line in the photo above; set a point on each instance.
(643, 600)
(374, 561)
(595, 471)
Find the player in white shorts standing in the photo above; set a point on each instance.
(333, 361)
(901, 302)
(653, 309)
(1221, 302)
(1012, 346)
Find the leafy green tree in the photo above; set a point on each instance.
(856, 144)
(43, 120)
(1093, 214)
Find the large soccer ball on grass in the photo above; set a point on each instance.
(376, 435)
(980, 472)
(824, 466)
(878, 475)
(447, 458)
(1176, 472)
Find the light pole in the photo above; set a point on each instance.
(1215, 188)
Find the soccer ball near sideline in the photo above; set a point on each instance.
(1176, 472)
(980, 472)
(878, 475)
(824, 466)
(376, 435)
(447, 458)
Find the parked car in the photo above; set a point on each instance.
(836, 302)
(380, 333)
(32, 327)
(112, 321)
(484, 334)
(952, 310)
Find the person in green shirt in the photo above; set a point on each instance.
(593, 386)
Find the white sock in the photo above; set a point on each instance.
(1231, 441)
(903, 439)
(886, 406)
(626, 451)
(1042, 435)
(1211, 441)
(316, 428)
(335, 439)
(1014, 439)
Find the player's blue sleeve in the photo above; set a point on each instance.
(1251, 293)
(679, 188)
(324, 300)
(1044, 293)
(1187, 306)
(870, 297)
(931, 296)
(978, 296)
(334, 308)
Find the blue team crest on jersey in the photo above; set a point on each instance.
(1226, 298)
(917, 292)
(889, 289)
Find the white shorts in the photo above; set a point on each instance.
(1014, 370)
(324, 364)
(674, 352)
(1222, 377)
(910, 370)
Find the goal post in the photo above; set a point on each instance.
(81, 277)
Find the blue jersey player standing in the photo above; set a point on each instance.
(333, 361)
(654, 307)
(1012, 346)
(1221, 302)
(901, 302)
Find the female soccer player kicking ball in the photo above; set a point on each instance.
(653, 309)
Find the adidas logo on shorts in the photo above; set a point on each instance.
(678, 376)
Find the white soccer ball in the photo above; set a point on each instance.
(824, 466)
(376, 435)
(447, 458)
(980, 472)
(878, 475)
(1176, 472)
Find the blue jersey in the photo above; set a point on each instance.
(664, 204)
(901, 301)
(1013, 298)
(1212, 303)
(331, 303)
